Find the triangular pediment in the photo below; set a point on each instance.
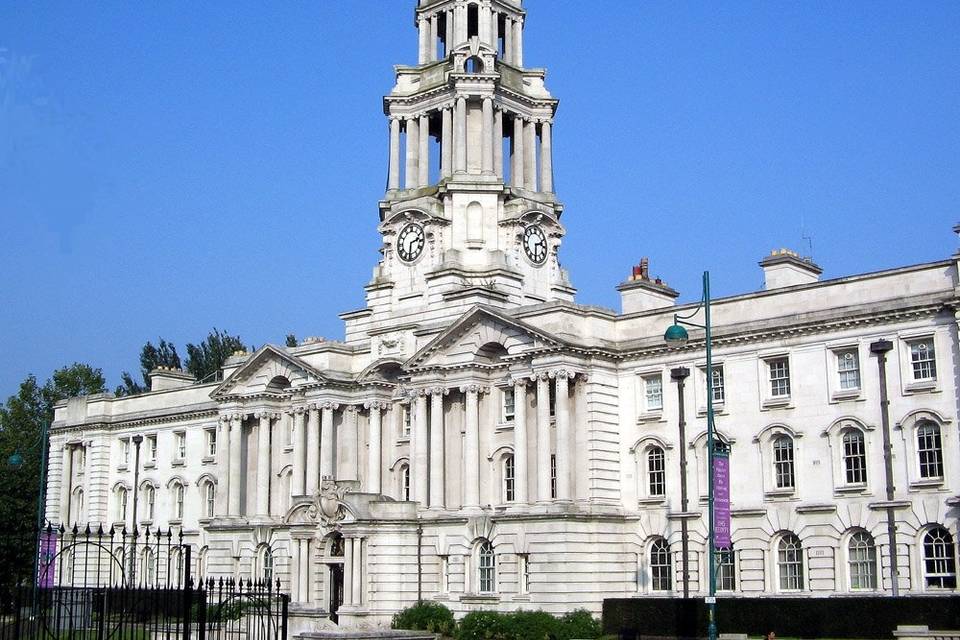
(258, 375)
(464, 342)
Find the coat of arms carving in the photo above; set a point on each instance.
(328, 507)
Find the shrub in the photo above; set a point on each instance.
(530, 625)
(579, 624)
(482, 625)
(425, 616)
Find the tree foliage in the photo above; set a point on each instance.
(163, 355)
(205, 359)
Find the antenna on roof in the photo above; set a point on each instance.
(805, 237)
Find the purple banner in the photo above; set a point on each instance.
(45, 568)
(721, 500)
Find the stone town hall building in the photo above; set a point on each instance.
(481, 439)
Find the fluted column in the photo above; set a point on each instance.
(516, 168)
(299, 452)
(313, 451)
(327, 444)
(412, 173)
(498, 143)
(423, 155)
(471, 447)
(530, 155)
(374, 438)
(520, 440)
(460, 135)
(421, 442)
(437, 458)
(543, 437)
(487, 136)
(446, 143)
(263, 463)
(66, 484)
(518, 43)
(393, 181)
(349, 441)
(236, 438)
(563, 435)
(546, 157)
(434, 35)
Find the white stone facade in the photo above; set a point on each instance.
(480, 439)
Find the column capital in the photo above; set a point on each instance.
(351, 408)
(299, 409)
(376, 405)
(333, 406)
(474, 388)
(520, 381)
(439, 391)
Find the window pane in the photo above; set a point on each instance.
(848, 366)
(939, 563)
(779, 377)
(790, 563)
(653, 386)
(854, 457)
(783, 462)
(725, 566)
(487, 567)
(660, 572)
(923, 360)
(863, 561)
(508, 479)
(930, 451)
(717, 387)
(656, 472)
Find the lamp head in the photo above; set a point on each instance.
(676, 336)
(15, 460)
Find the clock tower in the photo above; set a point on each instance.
(470, 215)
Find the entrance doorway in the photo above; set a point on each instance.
(335, 556)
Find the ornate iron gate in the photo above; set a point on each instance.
(96, 584)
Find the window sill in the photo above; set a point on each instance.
(928, 483)
(921, 386)
(403, 440)
(205, 520)
(288, 448)
(122, 467)
(651, 416)
(652, 501)
(150, 464)
(846, 395)
(208, 460)
(478, 598)
(718, 410)
(851, 488)
(179, 462)
(776, 403)
(504, 426)
(176, 521)
(775, 494)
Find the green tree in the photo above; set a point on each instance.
(151, 357)
(205, 359)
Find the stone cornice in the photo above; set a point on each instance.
(116, 423)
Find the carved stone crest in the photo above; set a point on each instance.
(328, 507)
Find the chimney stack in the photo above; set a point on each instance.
(641, 293)
(785, 268)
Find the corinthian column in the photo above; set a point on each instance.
(563, 436)
(516, 168)
(446, 142)
(349, 466)
(423, 33)
(327, 444)
(423, 162)
(412, 173)
(460, 135)
(530, 155)
(313, 450)
(374, 455)
(546, 157)
(393, 181)
(236, 436)
(486, 135)
(299, 452)
(543, 437)
(420, 453)
(518, 43)
(520, 440)
(434, 35)
(498, 143)
(436, 447)
(471, 447)
(263, 464)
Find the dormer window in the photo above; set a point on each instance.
(473, 65)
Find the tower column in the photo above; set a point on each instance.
(484, 26)
(508, 39)
(263, 464)
(374, 453)
(495, 31)
(520, 440)
(393, 181)
(423, 161)
(446, 143)
(327, 444)
(420, 455)
(543, 437)
(460, 24)
(518, 43)
(313, 450)
(530, 155)
(471, 448)
(487, 136)
(437, 459)
(434, 35)
(460, 135)
(498, 143)
(546, 157)
(299, 452)
(236, 433)
(423, 31)
(563, 435)
(449, 32)
(516, 168)
(413, 150)
(349, 466)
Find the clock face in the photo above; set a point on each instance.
(535, 244)
(410, 242)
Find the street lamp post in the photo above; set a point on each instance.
(16, 461)
(676, 335)
(137, 441)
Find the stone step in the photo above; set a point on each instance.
(372, 634)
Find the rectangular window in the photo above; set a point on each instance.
(151, 448)
(854, 457)
(211, 435)
(523, 573)
(656, 472)
(653, 392)
(180, 444)
(405, 416)
(923, 360)
(125, 451)
(783, 462)
(726, 569)
(508, 405)
(848, 368)
(444, 574)
(930, 451)
(553, 475)
(509, 481)
(779, 377)
(717, 387)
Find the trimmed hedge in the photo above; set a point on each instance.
(803, 617)
(425, 616)
(492, 625)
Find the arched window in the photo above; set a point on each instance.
(150, 501)
(148, 567)
(783, 462)
(854, 457)
(178, 501)
(930, 450)
(123, 497)
(266, 564)
(862, 561)
(790, 562)
(473, 65)
(726, 569)
(486, 568)
(77, 510)
(210, 498)
(509, 478)
(656, 472)
(939, 562)
(202, 562)
(175, 567)
(661, 578)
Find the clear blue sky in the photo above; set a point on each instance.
(170, 167)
